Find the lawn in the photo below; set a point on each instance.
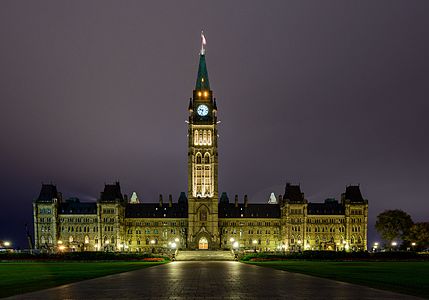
(409, 277)
(21, 277)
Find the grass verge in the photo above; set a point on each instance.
(409, 277)
(22, 277)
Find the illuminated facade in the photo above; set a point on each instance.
(201, 219)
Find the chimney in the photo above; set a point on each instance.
(245, 200)
(160, 200)
(236, 200)
(170, 201)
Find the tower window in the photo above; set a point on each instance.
(199, 158)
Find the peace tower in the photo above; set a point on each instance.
(203, 232)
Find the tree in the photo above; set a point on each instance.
(393, 224)
(419, 234)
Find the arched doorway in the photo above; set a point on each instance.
(203, 244)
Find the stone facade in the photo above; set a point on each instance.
(201, 219)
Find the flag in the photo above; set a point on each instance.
(203, 38)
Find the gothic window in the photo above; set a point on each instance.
(203, 215)
(42, 240)
(205, 137)
(198, 156)
(200, 139)
(86, 239)
(196, 137)
(207, 158)
(209, 137)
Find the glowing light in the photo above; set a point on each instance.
(232, 240)
(199, 94)
(413, 244)
(60, 242)
(7, 244)
(235, 245)
(107, 242)
(299, 242)
(205, 94)
(173, 245)
(61, 248)
(394, 244)
(152, 241)
(254, 242)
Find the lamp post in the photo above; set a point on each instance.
(394, 244)
(235, 245)
(231, 240)
(254, 242)
(375, 246)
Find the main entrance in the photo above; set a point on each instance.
(203, 244)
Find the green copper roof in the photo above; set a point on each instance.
(203, 76)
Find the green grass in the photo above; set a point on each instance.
(409, 277)
(22, 277)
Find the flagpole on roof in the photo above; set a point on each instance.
(203, 43)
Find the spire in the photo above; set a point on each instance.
(203, 76)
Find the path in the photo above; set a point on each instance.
(210, 280)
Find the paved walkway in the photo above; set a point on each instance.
(210, 280)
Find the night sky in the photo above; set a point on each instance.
(321, 93)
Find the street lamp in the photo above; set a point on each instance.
(6, 244)
(254, 242)
(173, 245)
(176, 240)
(232, 240)
(235, 245)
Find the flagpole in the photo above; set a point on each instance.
(203, 42)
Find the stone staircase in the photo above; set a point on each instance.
(204, 255)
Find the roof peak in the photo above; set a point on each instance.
(202, 76)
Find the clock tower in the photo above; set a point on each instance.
(203, 232)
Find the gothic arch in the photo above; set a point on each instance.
(198, 158)
(206, 158)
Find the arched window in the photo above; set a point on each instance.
(198, 158)
(200, 139)
(207, 158)
(203, 214)
(196, 137)
(50, 240)
(42, 240)
(209, 138)
(205, 137)
(86, 239)
(71, 239)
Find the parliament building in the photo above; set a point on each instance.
(201, 218)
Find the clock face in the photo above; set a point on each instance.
(202, 110)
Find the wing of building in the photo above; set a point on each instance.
(200, 219)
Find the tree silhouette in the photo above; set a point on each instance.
(393, 224)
